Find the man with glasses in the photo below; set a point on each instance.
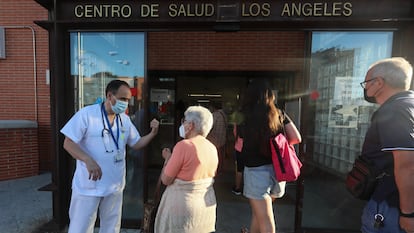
(96, 136)
(389, 143)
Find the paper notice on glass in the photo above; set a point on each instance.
(343, 107)
(159, 95)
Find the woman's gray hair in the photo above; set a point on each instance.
(395, 71)
(201, 118)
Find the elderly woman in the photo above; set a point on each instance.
(189, 202)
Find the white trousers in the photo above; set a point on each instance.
(83, 211)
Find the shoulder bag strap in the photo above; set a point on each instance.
(279, 156)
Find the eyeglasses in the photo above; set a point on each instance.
(364, 83)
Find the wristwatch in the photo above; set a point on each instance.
(410, 215)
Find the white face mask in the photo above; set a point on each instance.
(181, 131)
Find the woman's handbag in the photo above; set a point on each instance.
(285, 161)
(362, 179)
(150, 210)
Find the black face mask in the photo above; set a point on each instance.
(370, 99)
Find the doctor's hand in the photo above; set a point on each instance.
(154, 124)
(95, 172)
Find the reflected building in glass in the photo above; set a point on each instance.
(340, 117)
(337, 139)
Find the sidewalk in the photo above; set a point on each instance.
(23, 209)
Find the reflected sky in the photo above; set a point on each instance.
(368, 46)
(348, 40)
(121, 53)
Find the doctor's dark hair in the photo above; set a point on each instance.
(114, 85)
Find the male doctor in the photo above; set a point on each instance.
(96, 136)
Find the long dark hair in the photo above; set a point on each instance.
(262, 119)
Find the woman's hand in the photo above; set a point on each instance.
(166, 153)
(166, 180)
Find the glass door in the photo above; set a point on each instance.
(96, 59)
(338, 117)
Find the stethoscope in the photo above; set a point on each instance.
(104, 116)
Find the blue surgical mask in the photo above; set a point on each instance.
(120, 106)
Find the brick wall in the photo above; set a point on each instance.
(18, 153)
(230, 51)
(25, 94)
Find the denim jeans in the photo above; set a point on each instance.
(391, 218)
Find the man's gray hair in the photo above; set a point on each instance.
(201, 118)
(396, 71)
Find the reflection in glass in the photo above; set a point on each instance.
(99, 57)
(340, 116)
(96, 59)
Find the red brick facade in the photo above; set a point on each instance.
(236, 51)
(228, 51)
(19, 155)
(25, 94)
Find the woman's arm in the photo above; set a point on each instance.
(166, 180)
(292, 133)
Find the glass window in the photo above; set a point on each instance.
(96, 59)
(99, 57)
(338, 120)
